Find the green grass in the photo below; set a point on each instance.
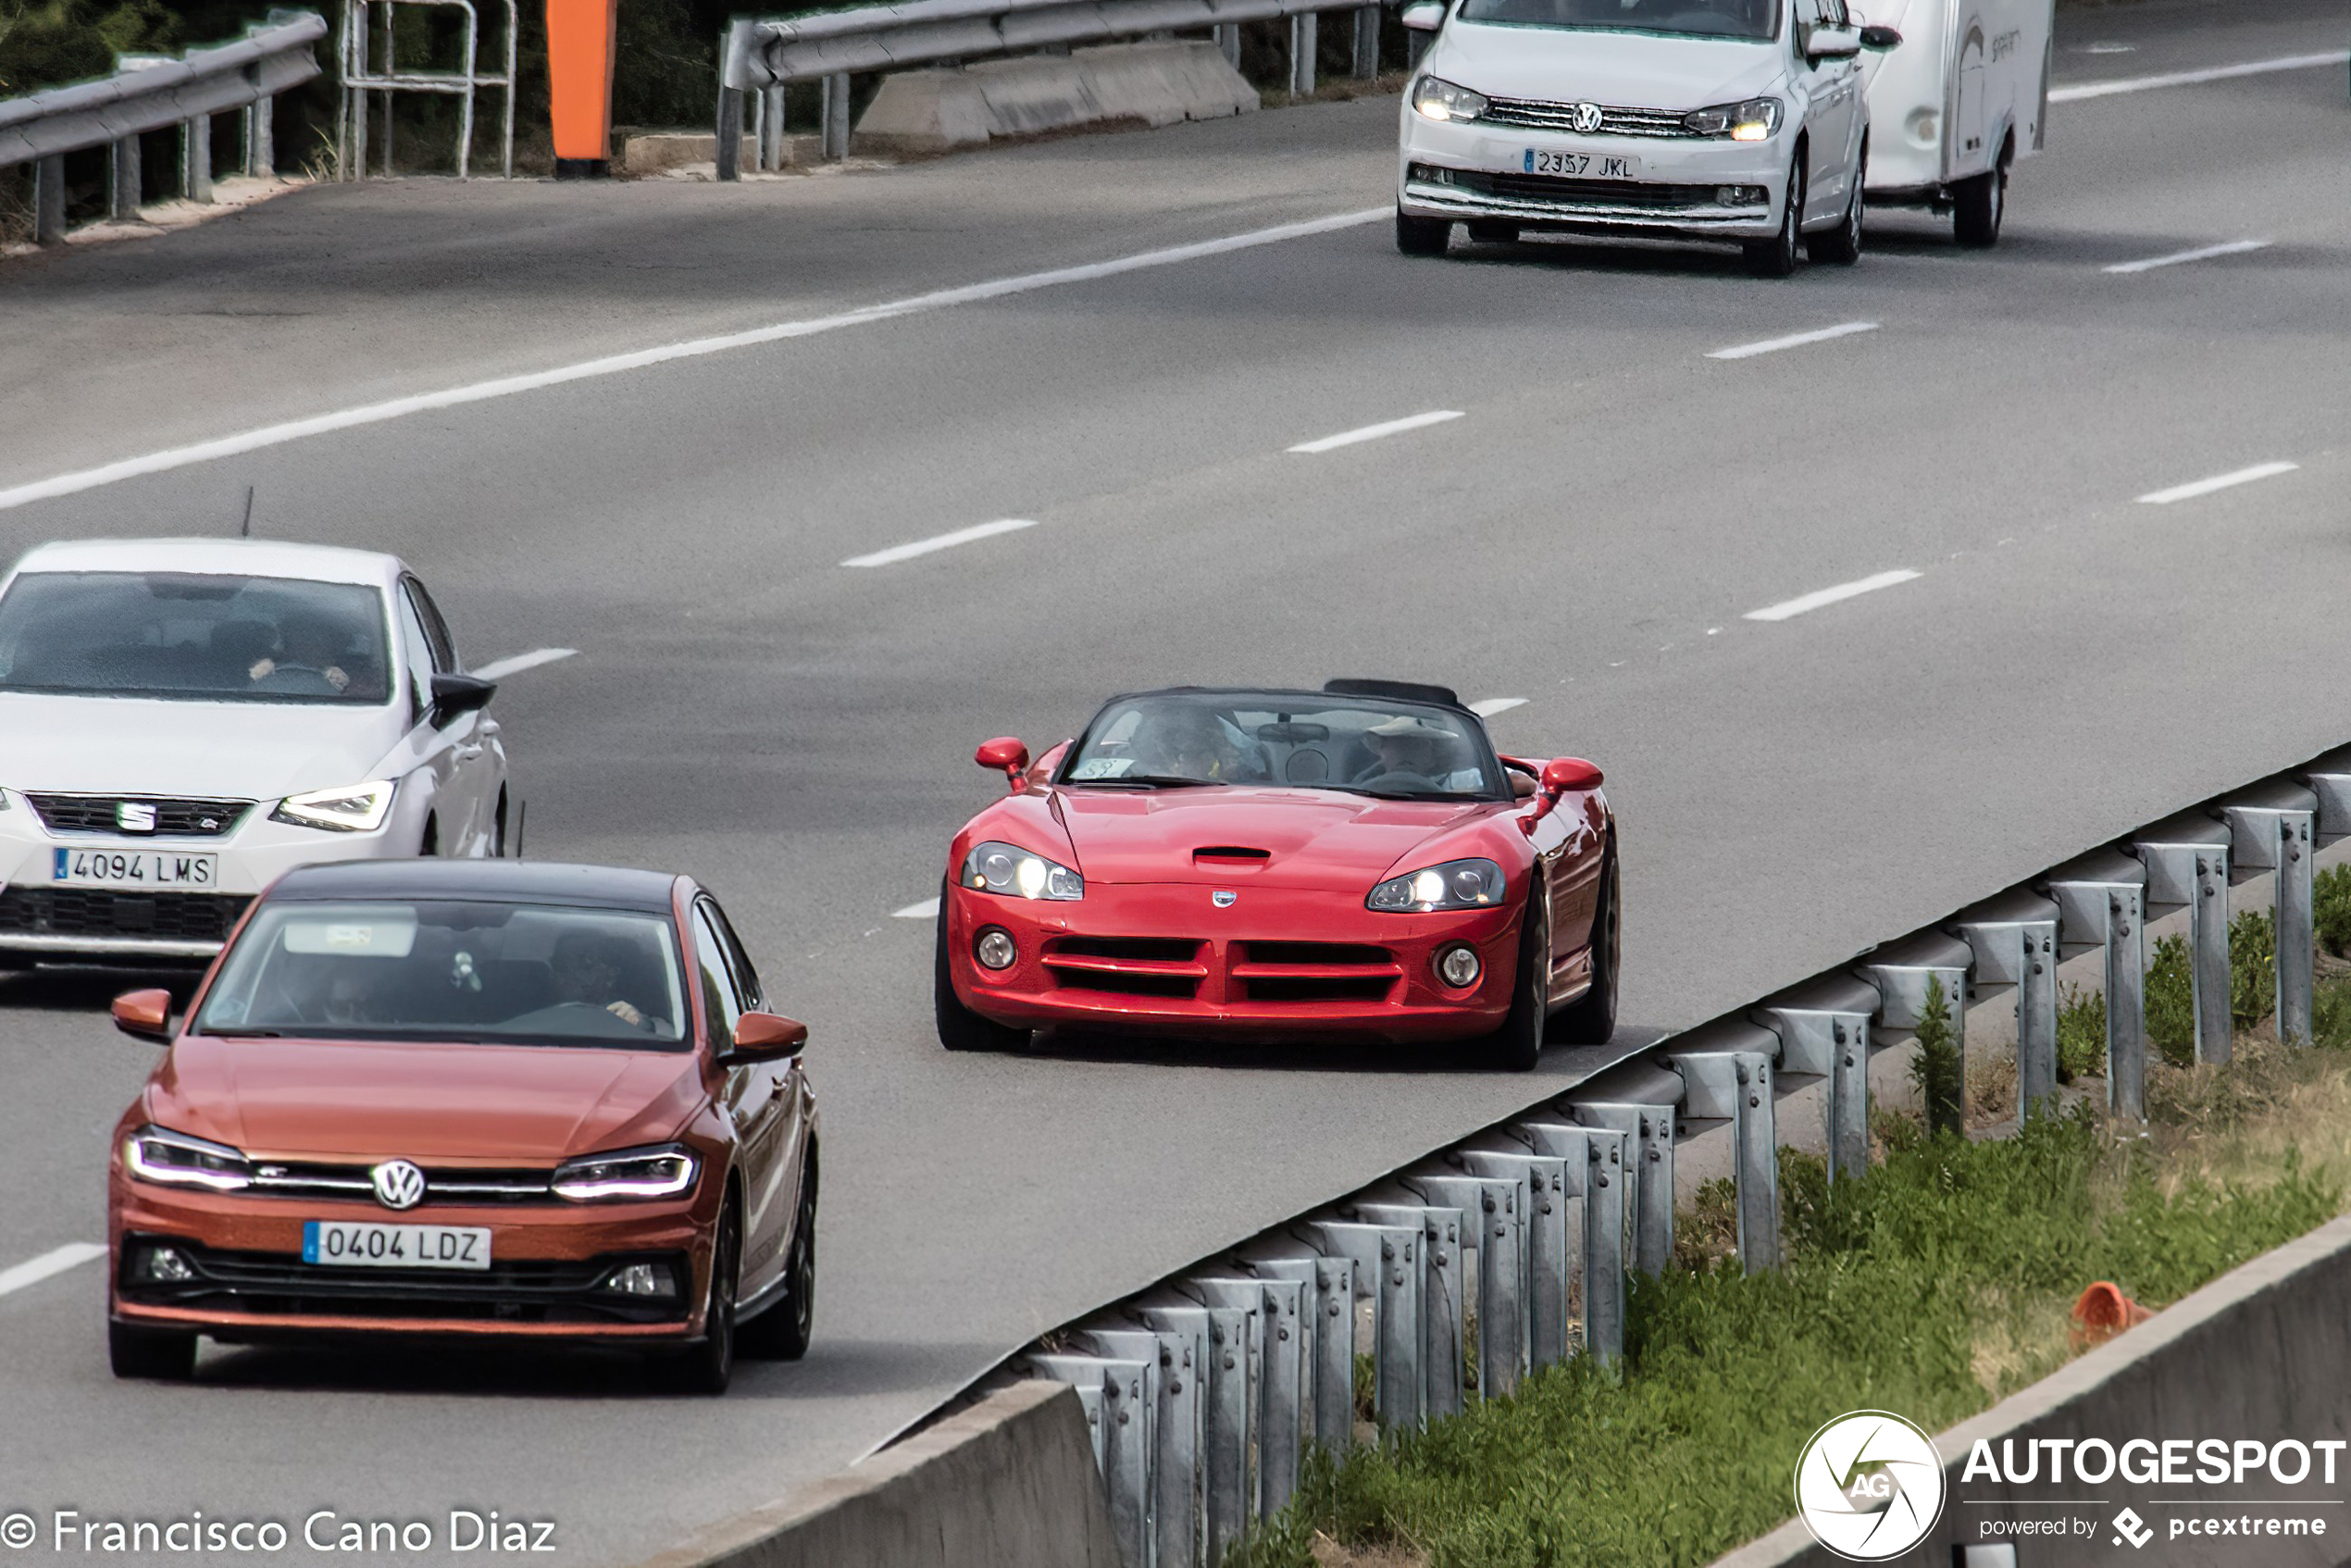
(2171, 993)
(1933, 1287)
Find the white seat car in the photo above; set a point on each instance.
(181, 720)
(1710, 120)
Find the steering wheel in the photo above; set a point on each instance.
(1378, 775)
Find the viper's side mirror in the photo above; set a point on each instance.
(1006, 755)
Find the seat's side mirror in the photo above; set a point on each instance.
(146, 1014)
(456, 694)
(1424, 16)
(1007, 755)
(764, 1037)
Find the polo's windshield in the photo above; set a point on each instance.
(194, 637)
(503, 974)
(1757, 20)
(1368, 745)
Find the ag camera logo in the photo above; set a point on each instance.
(1868, 1486)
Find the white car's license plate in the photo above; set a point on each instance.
(1581, 166)
(364, 1244)
(133, 868)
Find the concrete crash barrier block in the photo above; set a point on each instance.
(1010, 1483)
(658, 152)
(1163, 84)
(2254, 1356)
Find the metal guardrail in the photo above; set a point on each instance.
(762, 54)
(1204, 1391)
(153, 93)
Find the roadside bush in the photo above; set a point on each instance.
(2331, 909)
(2080, 1043)
(2171, 1002)
(2253, 967)
(1936, 1071)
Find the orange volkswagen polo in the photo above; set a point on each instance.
(469, 1099)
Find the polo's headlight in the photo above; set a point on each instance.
(992, 867)
(625, 1173)
(1456, 884)
(1435, 98)
(351, 808)
(174, 1159)
(1752, 121)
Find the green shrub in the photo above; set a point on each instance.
(2331, 909)
(2253, 967)
(1937, 1072)
(2171, 1002)
(2080, 1042)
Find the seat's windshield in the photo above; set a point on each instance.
(505, 973)
(1754, 19)
(1369, 745)
(194, 637)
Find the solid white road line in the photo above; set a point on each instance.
(614, 365)
(71, 1255)
(2218, 482)
(1493, 705)
(498, 669)
(898, 553)
(1373, 433)
(1772, 346)
(926, 910)
(1787, 608)
(2234, 247)
(2082, 90)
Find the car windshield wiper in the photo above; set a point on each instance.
(1403, 794)
(1148, 781)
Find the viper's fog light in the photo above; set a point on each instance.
(165, 1267)
(1458, 968)
(995, 950)
(642, 1279)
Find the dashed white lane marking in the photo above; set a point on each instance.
(926, 910)
(1492, 705)
(1373, 432)
(498, 669)
(898, 553)
(2082, 90)
(2219, 481)
(2234, 247)
(1787, 608)
(614, 365)
(33, 1271)
(1796, 340)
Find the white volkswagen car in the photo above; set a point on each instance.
(1708, 119)
(183, 719)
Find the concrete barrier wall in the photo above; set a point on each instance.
(1161, 83)
(2262, 1352)
(1010, 1483)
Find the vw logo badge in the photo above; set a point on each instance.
(399, 1185)
(134, 816)
(1585, 117)
(1223, 898)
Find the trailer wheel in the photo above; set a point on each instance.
(1978, 204)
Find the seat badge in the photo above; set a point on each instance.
(1223, 898)
(134, 816)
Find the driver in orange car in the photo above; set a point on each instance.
(586, 970)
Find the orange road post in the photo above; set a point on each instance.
(579, 61)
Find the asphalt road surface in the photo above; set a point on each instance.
(1593, 535)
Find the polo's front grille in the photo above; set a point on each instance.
(174, 817)
(102, 911)
(453, 1184)
(1535, 114)
(1645, 194)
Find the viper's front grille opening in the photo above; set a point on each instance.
(1317, 987)
(1145, 950)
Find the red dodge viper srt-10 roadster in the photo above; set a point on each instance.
(1356, 862)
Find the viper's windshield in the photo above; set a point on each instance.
(1366, 745)
(1757, 20)
(507, 973)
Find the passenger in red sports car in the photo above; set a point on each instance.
(1189, 741)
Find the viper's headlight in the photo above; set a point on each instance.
(174, 1159)
(992, 867)
(1435, 98)
(351, 808)
(663, 1172)
(1752, 121)
(1456, 884)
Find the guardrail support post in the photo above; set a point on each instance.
(836, 116)
(1229, 40)
(1301, 54)
(2277, 830)
(49, 200)
(122, 181)
(195, 159)
(1545, 1231)
(1442, 1361)
(2187, 864)
(1595, 1169)
(1492, 1212)
(727, 138)
(1326, 1344)
(771, 129)
(2102, 903)
(1388, 1269)
(261, 152)
(1736, 1086)
(1128, 1405)
(1833, 1044)
(2013, 941)
(1648, 1131)
(1178, 1521)
(1366, 42)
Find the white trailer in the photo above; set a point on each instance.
(1962, 98)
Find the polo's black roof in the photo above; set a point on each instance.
(495, 881)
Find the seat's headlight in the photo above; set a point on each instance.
(174, 1159)
(351, 808)
(663, 1172)
(1753, 120)
(1456, 884)
(1435, 98)
(992, 867)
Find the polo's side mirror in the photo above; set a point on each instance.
(1005, 755)
(764, 1037)
(145, 1013)
(1832, 43)
(457, 694)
